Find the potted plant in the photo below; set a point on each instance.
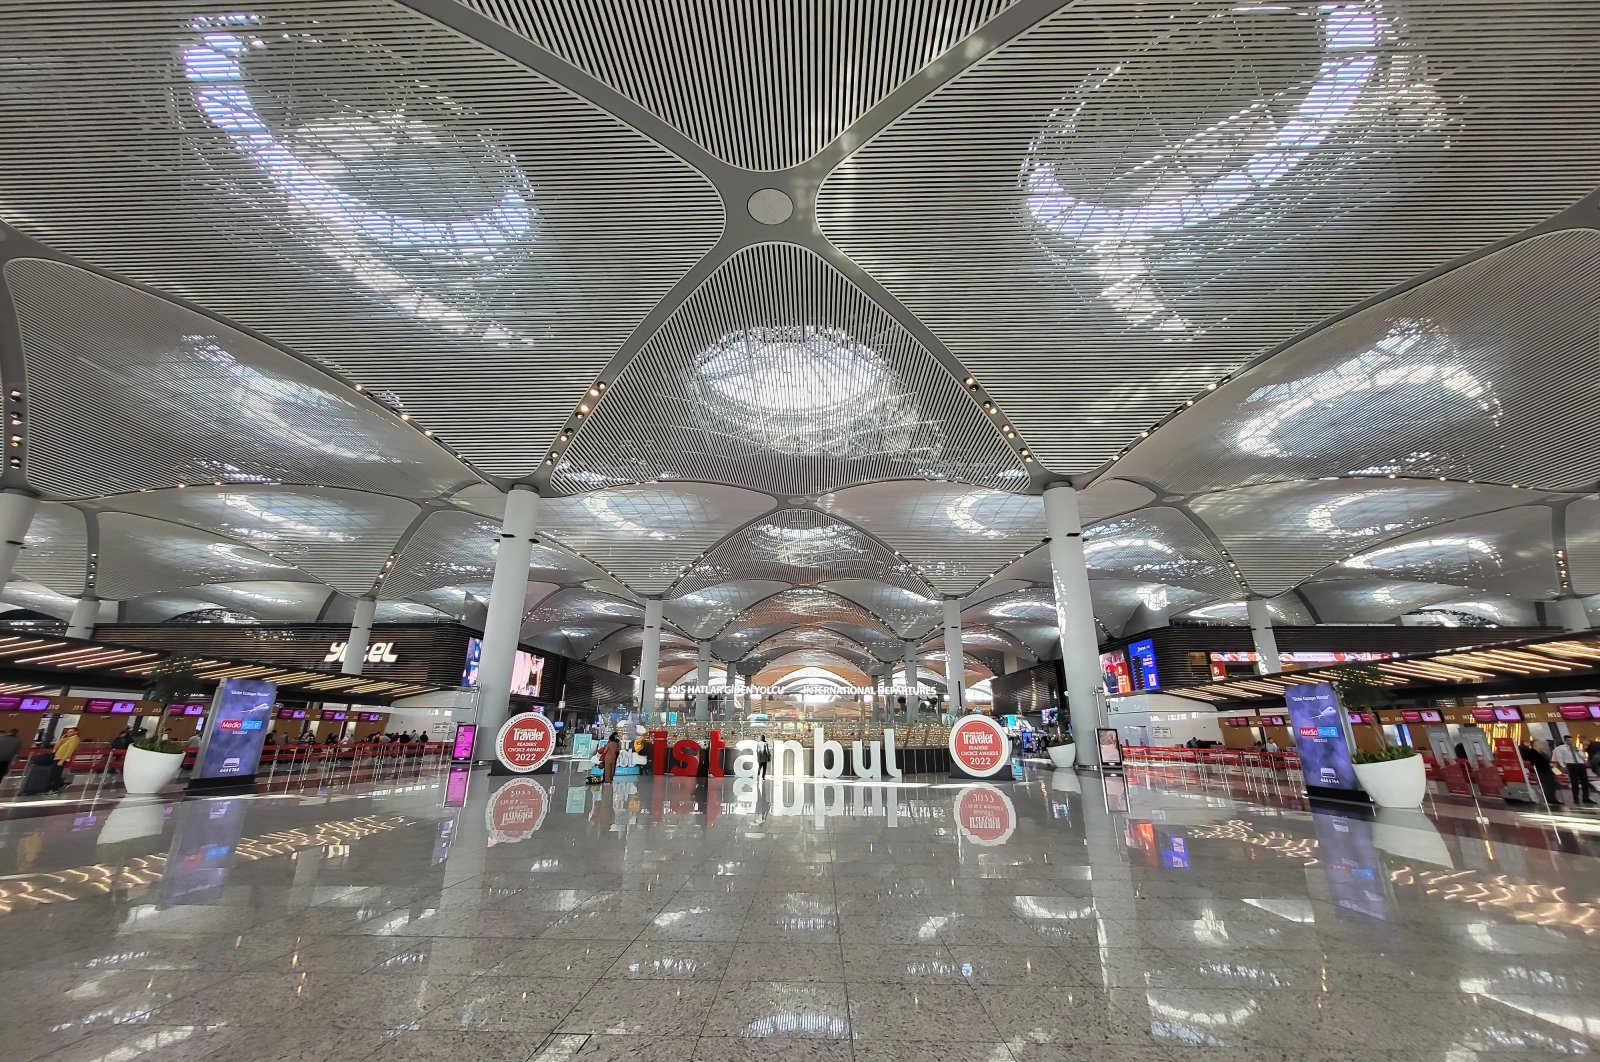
(151, 764)
(1393, 777)
(1062, 751)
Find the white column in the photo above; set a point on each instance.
(1267, 662)
(730, 679)
(1572, 614)
(650, 662)
(1080, 641)
(84, 616)
(955, 669)
(502, 628)
(16, 516)
(913, 702)
(702, 678)
(748, 682)
(355, 648)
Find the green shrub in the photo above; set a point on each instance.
(155, 744)
(1393, 752)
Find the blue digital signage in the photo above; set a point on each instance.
(1318, 728)
(1142, 662)
(240, 715)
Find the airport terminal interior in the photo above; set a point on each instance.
(840, 530)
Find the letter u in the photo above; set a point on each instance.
(864, 765)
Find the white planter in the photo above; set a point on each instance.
(1063, 755)
(148, 772)
(1394, 783)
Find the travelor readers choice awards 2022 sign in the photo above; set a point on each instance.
(525, 742)
(979, 747)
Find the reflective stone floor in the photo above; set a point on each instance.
(465, 917)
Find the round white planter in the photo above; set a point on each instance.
(1394, 783)
(148, 772)
(1063, 755)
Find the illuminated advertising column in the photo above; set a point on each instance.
(1321, 737)
(230, 747)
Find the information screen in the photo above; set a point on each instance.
(1142, 662)
(1110, 747)
(1319, 735)
(466, 734)
(1114, 672)
(231, 746)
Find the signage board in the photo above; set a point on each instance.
(1411, 716)
(1508, 715)
(1114, 672)
(979, 746)
(1110, 747)
(231, 744)
(461, 747)
(525, 742)
(1483, 715)
(1575, 711)
(1318, 729)
(1430, 715)
(583, 746)
(1142, 664)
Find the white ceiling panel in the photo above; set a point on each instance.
(1583, 545)
(705, 611)
(36, 598)
(1139, 198)
(1160, 545)
(55, 551)
(778, 374)
(140, 556)
(1511, 552)
(1373, 600)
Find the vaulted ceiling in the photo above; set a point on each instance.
(791, 310)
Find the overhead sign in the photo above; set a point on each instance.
(525, 742)
(516, 810)
(231, 744)
(377, 653)
(979, 746)
(985, 815)
(1318, 727)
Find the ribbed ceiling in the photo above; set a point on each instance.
(802, 547)
(1135, 199)
(761, 84)
(55, 551)
(779, 375)
(359, 183)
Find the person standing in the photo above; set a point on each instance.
(608, 757)
(763, 757)
(10, 746)
(1573, 763)
(1534, 756)
(65, 749)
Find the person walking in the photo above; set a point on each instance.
(1575, 766)
(65, 749)
(763, 757)
(608, 758)
(10, 746)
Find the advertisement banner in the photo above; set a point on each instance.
(525, 742)
(979, 746)
(240, 714)
(1110, 748)
(1318, 728)
(461, 748)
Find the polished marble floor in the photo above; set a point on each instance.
(467, 917)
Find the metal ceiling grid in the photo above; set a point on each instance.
(1451, 378)
(576, 641)
(762, 85)
(736, 643)
(907, 612)
(37, 598)
(362, 184)
(140, 556)
(341, 537)
(1140, 198)
(648, 536)
(1582, 546)
(55, 551)
(800, 547)
(1492, 611)
(267, 602)
(1285, 610)
(788, 660)
(576, 605)
(1157, 545)
(1032, 605)
(780, 375)
(1282, 533)
(1118, 601)
(1511, 552)
(955, 536)
(806, 607)
(127, 391)
(705, 611)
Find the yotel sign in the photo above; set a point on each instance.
(979, 747)
(377, 653)
(525, 742)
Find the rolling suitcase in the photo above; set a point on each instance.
(40, 775)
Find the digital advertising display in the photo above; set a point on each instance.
(1318, 728)
(461, 747)
(203, 841)
(469, 670)
(1142, 663)
(1114, 672)
(1110, 747)
(240, 713)
(527, 670)
(1508, 715)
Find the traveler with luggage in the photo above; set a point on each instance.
(10, 745)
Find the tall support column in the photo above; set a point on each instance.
(16, 516)
(955, 668)
(1572, 614)
(702, 679)
(913, 702)
(730, 687)
(650, 662)
(1267, 662)
(502, 626)
(1080, 641)
(355, 648)
(84, 616)
(748, 682)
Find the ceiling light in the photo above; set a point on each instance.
(583, 407)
